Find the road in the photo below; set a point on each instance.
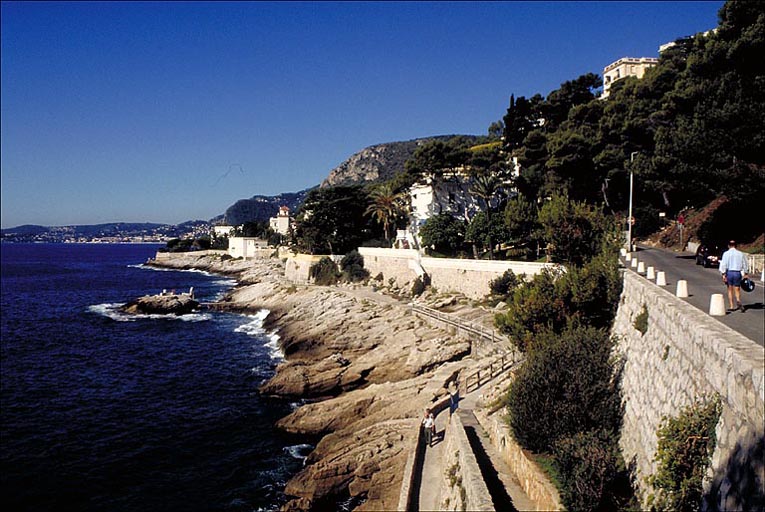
(702, 283)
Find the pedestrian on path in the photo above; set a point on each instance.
(733, 267)
(429, 425)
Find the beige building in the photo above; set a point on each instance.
(281, 223)
(624, 67)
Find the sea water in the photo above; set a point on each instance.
(100, 410)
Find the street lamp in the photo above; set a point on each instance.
(630, 220)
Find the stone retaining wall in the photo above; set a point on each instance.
(160, 256)
(683, 356)
(533, 480)
(298, 266)
(469, 277)
(462, 487)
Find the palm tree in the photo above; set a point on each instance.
(486, 187)
(386, 206)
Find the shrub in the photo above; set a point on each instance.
(504, 284)
(419, 285)
(568, 384)
(683, 452)
(586, 464)
(641, 322)
(324, 272)
(588, 295)
(352, 266)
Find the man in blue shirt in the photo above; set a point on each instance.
(733, 267)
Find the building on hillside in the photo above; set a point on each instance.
(281, 223)
(624, 67)
(245, 247)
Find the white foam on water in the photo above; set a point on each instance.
(111, 310)
(255, 328)
(298, 451)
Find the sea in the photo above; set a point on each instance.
(104, 411)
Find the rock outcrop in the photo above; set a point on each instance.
(165, 304)
(367, 365)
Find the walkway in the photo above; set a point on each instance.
(503, 486)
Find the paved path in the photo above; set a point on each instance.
(702, 283)
(503, 485)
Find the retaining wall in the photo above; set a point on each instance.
(462, 487)
(533, 480)
(685, 355)
(298, 266)
(469, 277)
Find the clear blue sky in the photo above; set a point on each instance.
(166, 112)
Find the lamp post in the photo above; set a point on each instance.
(629, 219)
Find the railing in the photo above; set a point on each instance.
(470, 328)
(481, 376)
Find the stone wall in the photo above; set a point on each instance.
(469, 277)
(298, 266)
(533, 480)
(462, 487)
(684, 356)
(160, 256)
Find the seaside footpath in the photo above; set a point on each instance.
(366, 365)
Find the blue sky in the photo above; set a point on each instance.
(172, 111)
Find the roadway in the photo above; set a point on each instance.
(702, 283)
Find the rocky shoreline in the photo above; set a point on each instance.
(368, 366)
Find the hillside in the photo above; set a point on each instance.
(261, 208)
(376, 163)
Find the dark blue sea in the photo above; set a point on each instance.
(104, 411)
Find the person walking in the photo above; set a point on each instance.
(427, 424)
(733, 267)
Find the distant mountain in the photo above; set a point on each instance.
(377, 163)
(262, 208)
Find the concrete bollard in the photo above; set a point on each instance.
(682, 289)
(623, 252)
(628, 256)
(634, 263)
(661, 278)
(717, 305)
(650, 274)
(641, 267)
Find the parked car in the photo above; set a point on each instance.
(709, 255)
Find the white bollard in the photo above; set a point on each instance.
(682, 289)
(634, 263)
(717, 305)
(623, 252)
(661, 278)
(641, 267)
(650, 274)
(628, 256)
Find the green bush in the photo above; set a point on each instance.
(683, 452)
(324, 272)
(588, 295)
(641, 321)
(586, 464)
(419, 285)
(568, 384)
(352, 266)
(505, 284)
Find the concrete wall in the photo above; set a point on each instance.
(298, 266)
(466, 490)
(533, 480)
(683, 356)
(246, 247)
(469, 277)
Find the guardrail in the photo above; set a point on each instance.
(481, 376)
(470, 328)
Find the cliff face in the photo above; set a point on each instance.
(375, 163)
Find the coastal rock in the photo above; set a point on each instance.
(165, 304)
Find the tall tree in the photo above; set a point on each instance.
(386, 206)
(331, 220)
